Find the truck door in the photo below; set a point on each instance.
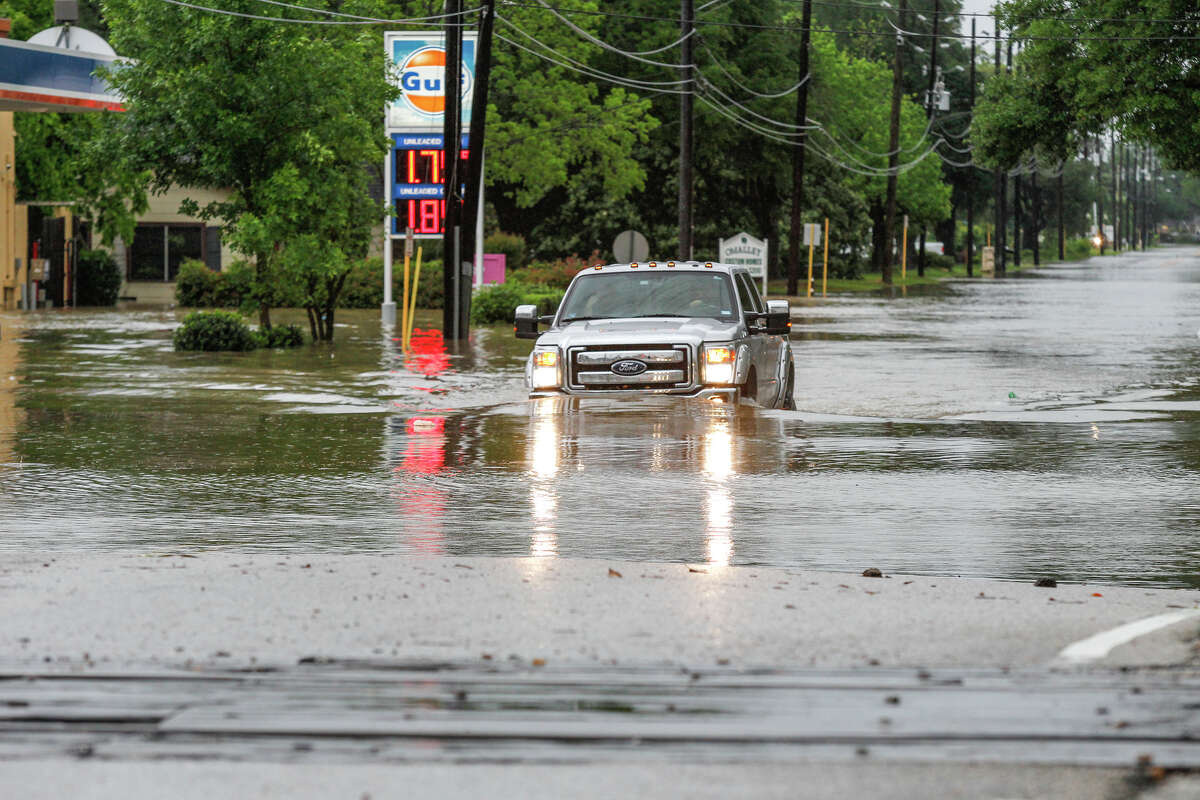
(764, 349)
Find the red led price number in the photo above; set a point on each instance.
(423, 170)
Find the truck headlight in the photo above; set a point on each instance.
(544, 374)
(719, 364)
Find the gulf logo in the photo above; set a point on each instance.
(421, 77)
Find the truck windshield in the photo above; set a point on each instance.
(649, 294)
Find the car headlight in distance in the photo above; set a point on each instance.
(719, 363)
(545, 369)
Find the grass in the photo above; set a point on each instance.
(873, 281)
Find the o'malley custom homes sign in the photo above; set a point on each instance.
(744, 250)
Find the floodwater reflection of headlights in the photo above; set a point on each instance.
(544, 543)
(718, 536)
(717, 454)
(545, 447)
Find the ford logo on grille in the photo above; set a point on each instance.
(629, 367)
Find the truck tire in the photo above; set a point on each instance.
(789, 389)
(749, 389)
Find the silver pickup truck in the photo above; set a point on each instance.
(689, 328)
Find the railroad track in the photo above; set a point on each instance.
(389, 711)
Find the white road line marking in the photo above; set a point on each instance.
(1103, 643)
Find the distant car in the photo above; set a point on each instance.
(935, 247)
(663, 327)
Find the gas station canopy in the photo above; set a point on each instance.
(51, 77)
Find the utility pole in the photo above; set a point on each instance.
(930, 110)
(1154, 177)
(1127, 157)
(889, 225)
(687, 21)
(453, 326)
(1001, 179)
(1144, 194)
(797, 221)
(1062, 228)
(1100, 196)
(479, 99)
(1036, 227)
(1112, 139)
(971, 172)
(1016, 215)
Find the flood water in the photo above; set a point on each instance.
(1044, 424)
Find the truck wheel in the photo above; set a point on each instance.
(749, 389)
(789, 399)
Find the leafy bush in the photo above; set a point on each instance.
(512, 245)
(939, 261)
(429, 292)
(233, 285)
(1079, 248)
(99, 279)
(846, 266)
(214, 331)
(557, 274)
(196, 285)
(498, 302)
(280, 336)
(364, 285)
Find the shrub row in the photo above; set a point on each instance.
(541, 284)
(213, 331)
(197, 286)
(498, 302)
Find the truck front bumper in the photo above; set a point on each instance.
(717, 394)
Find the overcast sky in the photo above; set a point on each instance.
(982, 24)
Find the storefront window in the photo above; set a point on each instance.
(157, 250)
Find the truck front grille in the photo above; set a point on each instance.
(667, 367)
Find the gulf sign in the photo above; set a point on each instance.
(419, 61)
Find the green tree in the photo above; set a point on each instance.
(1088, 66)
(285, 116)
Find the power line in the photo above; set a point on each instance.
(426, 21)
(587, 72)
(581, 65)
(795, 28)
(612, 48)
(747, 89)
(886, 9)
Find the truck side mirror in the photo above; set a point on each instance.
(779, 318)
(526, 326)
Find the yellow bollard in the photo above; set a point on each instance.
(810, 275)
(825, 263)
(412, 310)
(904, 251)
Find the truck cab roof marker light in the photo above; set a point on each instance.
(633, 265)
(708, 264)
(670, 263)
(652, 264)
(598, 266)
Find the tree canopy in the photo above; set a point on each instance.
(286, 117)
(1088, 66)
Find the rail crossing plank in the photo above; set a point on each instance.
(1082, 717)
